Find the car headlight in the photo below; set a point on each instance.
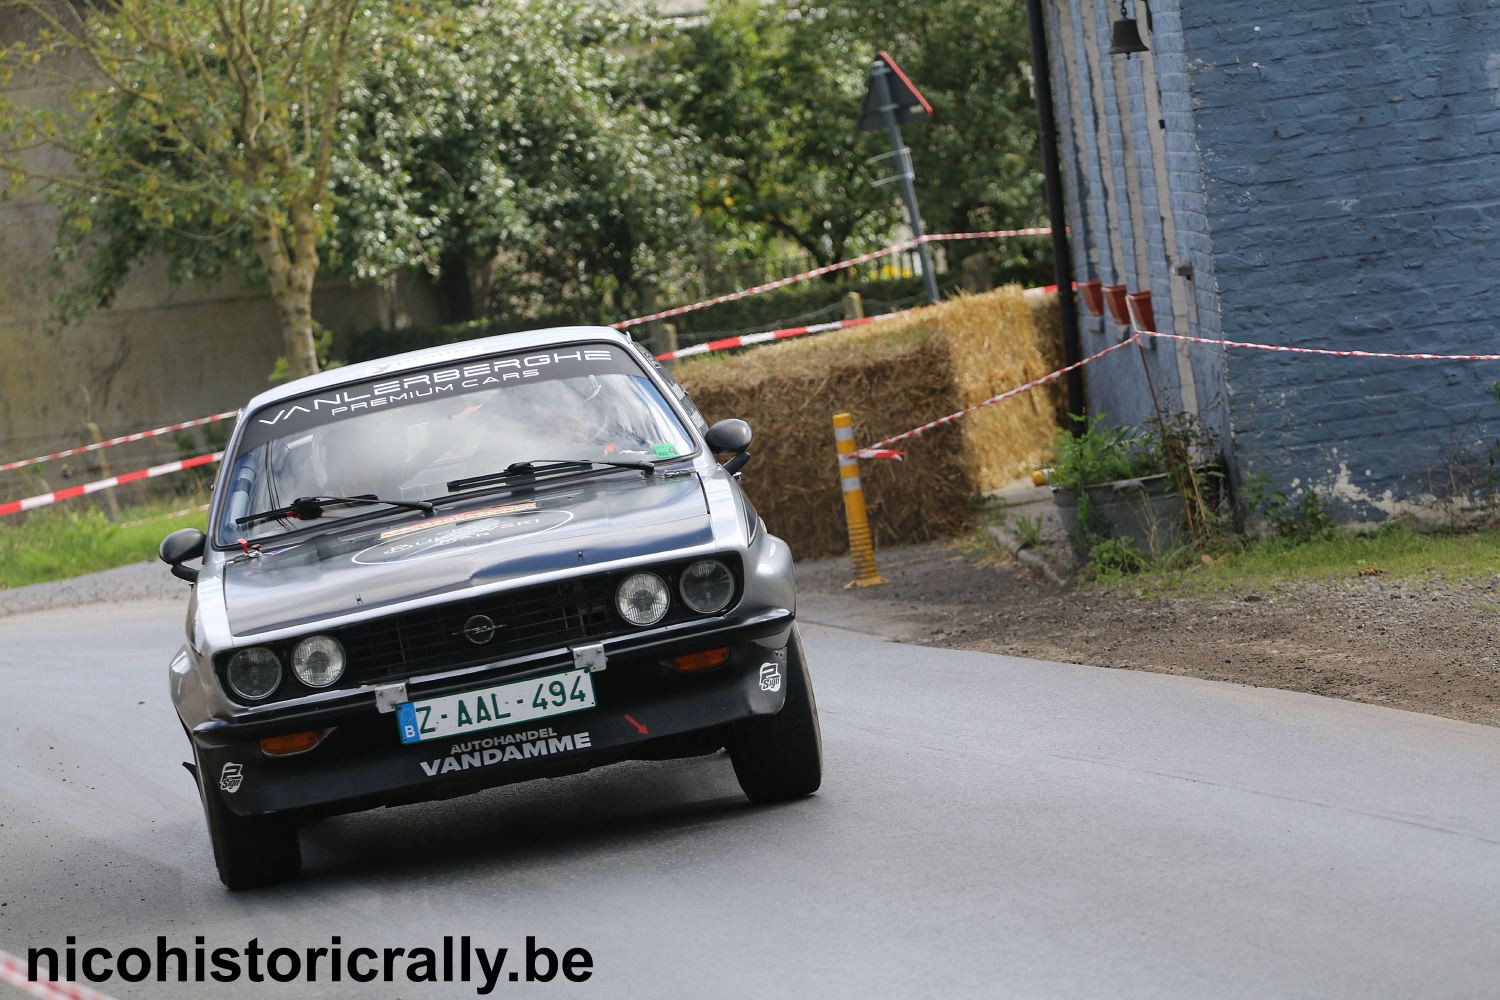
(253, 673)
(643, 599)
(707, 585)
(318, 661)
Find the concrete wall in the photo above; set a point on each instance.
(1328, 170)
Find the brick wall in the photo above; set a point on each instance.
(1334, 181)
(1194, 244)
(1353, 188)
(1114, 186)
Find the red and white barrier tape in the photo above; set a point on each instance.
(1325, 352)
(713, 345)
(123, 439)
(992, 234)
(30, 503)
(728, 343)
(746, 340)
(880, 450)
(13, 971)
(169, 515)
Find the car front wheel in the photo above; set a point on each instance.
(249, 851)
(780, 757)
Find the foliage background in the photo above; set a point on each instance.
(535, 162)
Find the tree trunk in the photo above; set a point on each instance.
(291, 291)
(455, 289)
(294, 311)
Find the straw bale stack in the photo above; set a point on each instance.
(892, 376)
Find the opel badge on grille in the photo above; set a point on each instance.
(479, 629)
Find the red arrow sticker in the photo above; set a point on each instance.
(639, 728)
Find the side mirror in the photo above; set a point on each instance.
(731, 435)
(180, 546)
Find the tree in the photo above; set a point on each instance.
(204, 130)
(501, 145)
(506, 147)
(774, 90)
(774, 100)
(978, 161)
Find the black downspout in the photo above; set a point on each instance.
(1062, 254)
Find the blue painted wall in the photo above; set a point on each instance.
(1107, 177)
(1353, 188)
(1334, 175)
(1189, 205)
(1105, 171)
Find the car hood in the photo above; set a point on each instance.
(484, 542)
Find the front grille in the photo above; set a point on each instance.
(530, 619)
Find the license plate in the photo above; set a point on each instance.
(491, 707)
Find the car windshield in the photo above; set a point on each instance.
(406, 434)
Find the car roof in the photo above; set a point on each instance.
(363, 370)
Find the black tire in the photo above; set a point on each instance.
(780, 757)
(249, 851)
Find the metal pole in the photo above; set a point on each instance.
(1062, 254)
(907, 175)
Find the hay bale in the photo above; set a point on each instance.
(1046, 327)
(891, 376)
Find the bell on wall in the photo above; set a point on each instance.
(1125, 35)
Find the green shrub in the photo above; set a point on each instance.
(1105, 454)
(1303, 518)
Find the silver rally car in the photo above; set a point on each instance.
(507, 559)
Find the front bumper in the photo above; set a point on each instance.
(645, 709)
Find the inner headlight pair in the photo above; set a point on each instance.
(255, 672)
(705, 586)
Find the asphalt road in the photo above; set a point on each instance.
(988, 827)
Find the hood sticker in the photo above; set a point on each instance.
(442, 538)
(467, 515)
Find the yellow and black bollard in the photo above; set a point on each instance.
(861, 545)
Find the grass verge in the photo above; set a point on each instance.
(58, 543)
(1393, 551)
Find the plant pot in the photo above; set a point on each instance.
(1115, 296)
(1141, 313)
(1145, 510)
(1092, 292)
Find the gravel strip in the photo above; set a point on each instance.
(144, 581)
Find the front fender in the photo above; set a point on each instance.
(186, 680)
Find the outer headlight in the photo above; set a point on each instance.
(253, 673)
(643, 599)
(707, 585)
(318, 661)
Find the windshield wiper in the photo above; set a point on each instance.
(311, 508)
(529, 469)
